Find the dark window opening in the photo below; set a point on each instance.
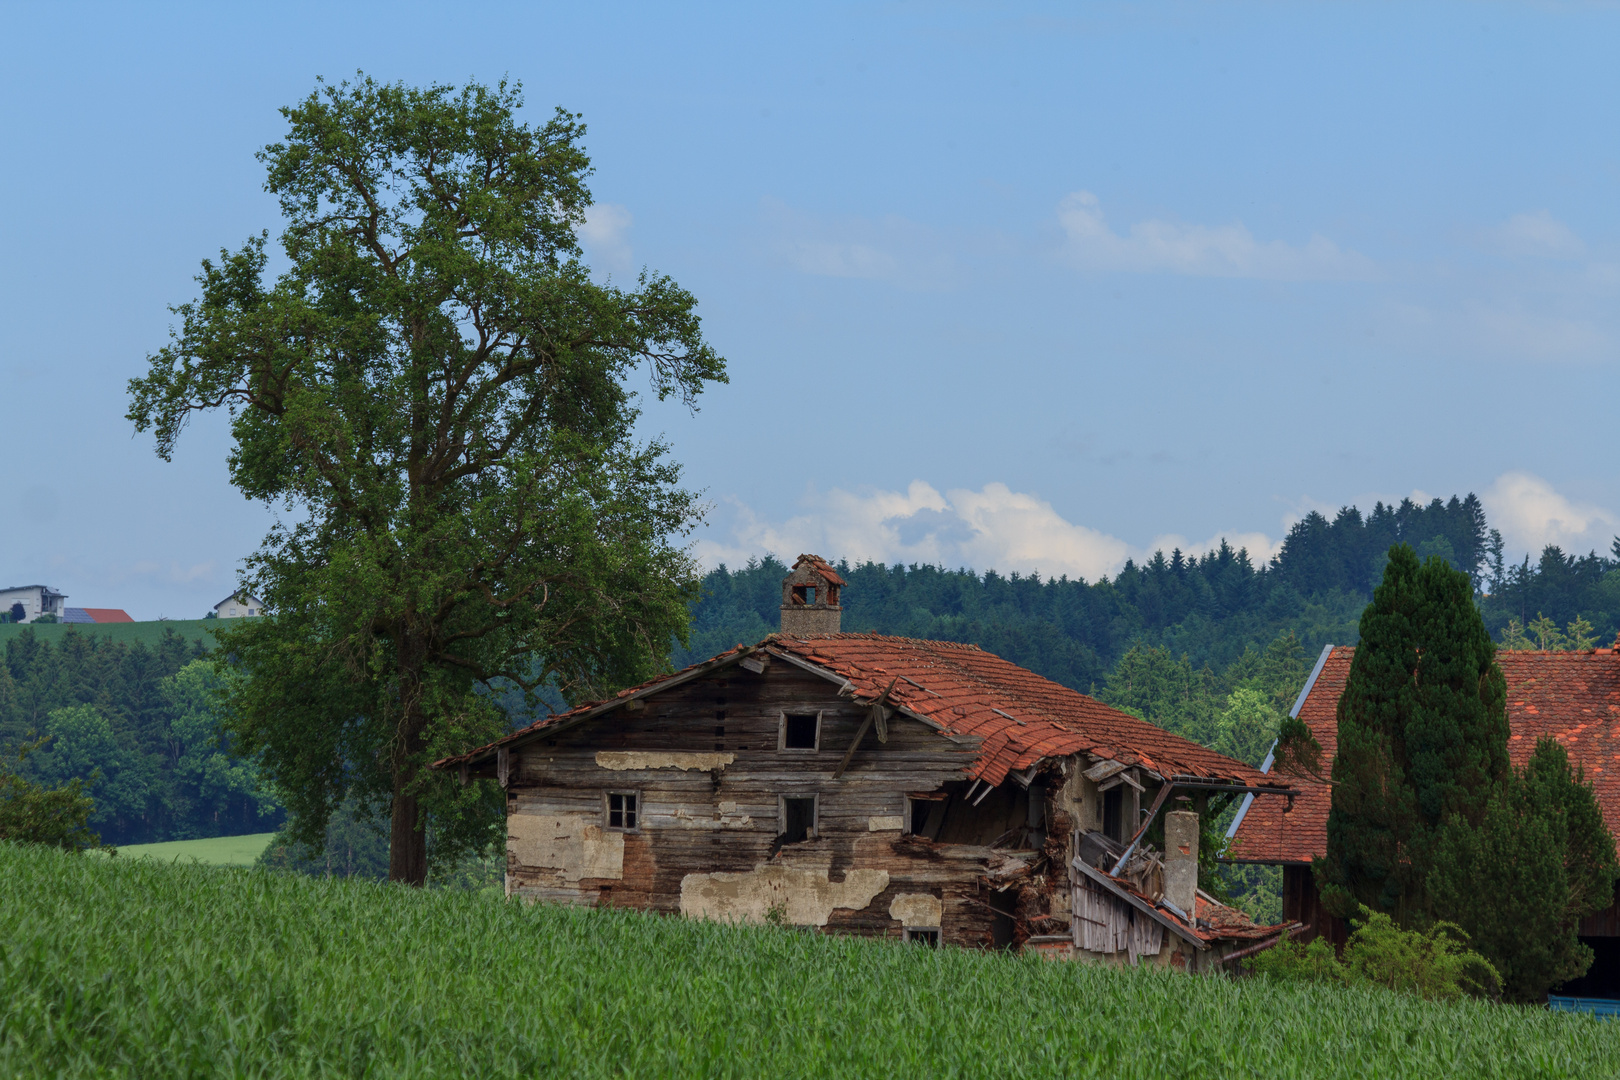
(923, 935)
(921, 809)
(800, 732)
(1003, 903)
(798, 818)
(719, 730)
(832, 595)
(622, 810)
(1114, 813)
(804, 594)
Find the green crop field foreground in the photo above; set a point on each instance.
(117, 967)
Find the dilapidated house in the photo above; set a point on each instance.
(877, 785)
(1573, 697)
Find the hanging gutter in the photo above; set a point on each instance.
(1271, 755)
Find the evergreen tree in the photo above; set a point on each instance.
(1540, 861)
(1422, 738)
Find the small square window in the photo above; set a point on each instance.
(623, 811)
(923, 935)
(801, 731)
(804, 594)
(798, 818)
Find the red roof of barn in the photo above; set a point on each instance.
(960, 690)
(107, 614)
(1572, 696)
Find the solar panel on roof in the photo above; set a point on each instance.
(76, 614)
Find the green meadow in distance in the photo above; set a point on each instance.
(211, 851)
(141, 968)
(147, 633)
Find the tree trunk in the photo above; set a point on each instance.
(407, 839)
(407, 834)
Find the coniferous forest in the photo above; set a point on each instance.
(1209, 608)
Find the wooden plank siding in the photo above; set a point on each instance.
(697, 823)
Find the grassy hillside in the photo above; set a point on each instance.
(213, 851)
(147, 633)
(133, 967)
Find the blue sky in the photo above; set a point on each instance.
(1028, 287)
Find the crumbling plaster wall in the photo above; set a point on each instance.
(1078, 796)
(704, 761)
(803, 896)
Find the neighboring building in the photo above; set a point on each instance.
(238, 605)
(25, 603)
(875, 785)
(95, 615)
(1572, 696)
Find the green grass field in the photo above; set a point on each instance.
(120, 967)
(214, 851)
(149, 633)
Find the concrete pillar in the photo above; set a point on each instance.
(1181, 860)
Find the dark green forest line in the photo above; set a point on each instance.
(1213, 648)
(1211, 608)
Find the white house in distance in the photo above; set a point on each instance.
(237, 605)
(25, 603)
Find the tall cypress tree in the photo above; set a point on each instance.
(1422, 738)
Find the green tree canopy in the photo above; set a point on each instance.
(31, 813)
(1422, 737)
(81, 744)
(436, 392)
(214, 785)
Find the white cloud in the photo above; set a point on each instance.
(1531, 515)
(1198, 250)
(605, 236)
(992, 528)
(1536, 234)
(889, 248)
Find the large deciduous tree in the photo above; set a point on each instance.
(1422, 738)
(436, 393)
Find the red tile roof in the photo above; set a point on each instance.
(107, 614)
(1019, 716)
(1572, 696)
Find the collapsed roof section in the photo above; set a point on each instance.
(961, 691)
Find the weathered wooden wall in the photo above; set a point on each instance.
(704, 759)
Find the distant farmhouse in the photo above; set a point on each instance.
(237, 605)
(25, 603)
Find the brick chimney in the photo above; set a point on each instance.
(810, 598)
(1181, 860)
